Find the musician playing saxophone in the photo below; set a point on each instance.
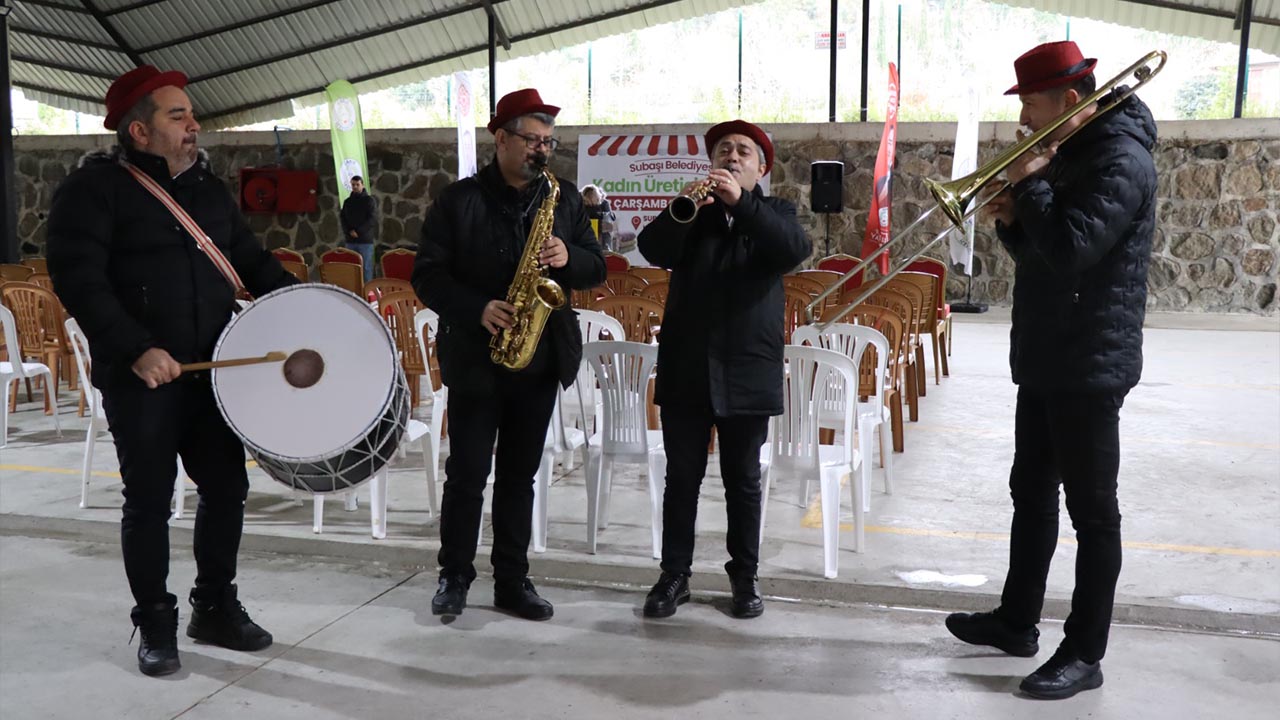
(471, 246)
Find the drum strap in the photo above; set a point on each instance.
(202, 239)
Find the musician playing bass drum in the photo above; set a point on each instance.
(472, 242)
(1078, 223)
(147, 298)
(720, 354)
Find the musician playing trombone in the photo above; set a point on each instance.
(1077, 220)
(720, 353)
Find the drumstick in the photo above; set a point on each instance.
(269, 357)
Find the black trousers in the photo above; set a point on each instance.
(685, 435)
(151, 429)
(517, 414)
(1072, 439)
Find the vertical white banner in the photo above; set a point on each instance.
(464, 111)
(965, 161)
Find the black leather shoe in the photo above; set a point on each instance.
(987, 628)
(747, 602)
(223, 621)
(670, 592)
(1063, 676)
(158, 649)
(451, 595)
(522, 599)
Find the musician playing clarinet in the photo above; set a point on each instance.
(720, 352)
(126, 264)
(1078, 222)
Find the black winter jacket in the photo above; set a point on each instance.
(1081, 240)
(132, 277)
(359, 213)
(721, 341)
(471, 244)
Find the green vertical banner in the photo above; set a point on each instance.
(347, 132)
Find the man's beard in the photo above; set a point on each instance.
(532, 166)
(183, 158)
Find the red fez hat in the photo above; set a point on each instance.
(741, 127)
(518, 103)
(134, 85)
(1048, 66)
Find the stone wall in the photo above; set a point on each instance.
(1215, 248)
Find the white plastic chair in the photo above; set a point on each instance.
(852, 341)
(582, 411)
(562, 442)
(794, 447)
(622, 370)
(98, 421)
(429, 320)
(15, 369)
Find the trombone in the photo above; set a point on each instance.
(953, 197)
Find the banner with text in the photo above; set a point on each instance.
(639, 175)
(465, 111)
(347, 134)
(965, 161)
(877, 232)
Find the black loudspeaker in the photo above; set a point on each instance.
(826, 190)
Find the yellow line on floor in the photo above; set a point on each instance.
(70, 471)
(813, 519)
(952, 430)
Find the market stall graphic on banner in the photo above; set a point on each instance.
(639, 175)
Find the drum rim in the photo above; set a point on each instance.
(363, 436)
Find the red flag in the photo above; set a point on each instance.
(877, 233)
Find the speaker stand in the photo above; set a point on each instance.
(968, 306)
(827, 217)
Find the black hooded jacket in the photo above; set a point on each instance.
(471, 245)
(132, 277)
(1081, 240)
(722, 332)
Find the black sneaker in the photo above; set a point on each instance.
(521, 598)
(224, 622)
(158, 649)
(747, 602)
(670, 592)
(451, 595)
(1063, 676)
(987, 628)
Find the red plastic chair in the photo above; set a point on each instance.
(342, 255)
(937, 268)
(842, 263)
(398, 264)
(613, 262)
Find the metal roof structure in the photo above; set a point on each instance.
(1218, 20)
(248, 58)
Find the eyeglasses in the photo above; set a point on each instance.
(533, 142)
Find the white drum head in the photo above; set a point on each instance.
(339, 410)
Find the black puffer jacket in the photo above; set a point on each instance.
(721, 341)
(1081, 239)
(133, 278)
(471, 244)
(359, 213)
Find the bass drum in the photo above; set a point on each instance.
(333, 413)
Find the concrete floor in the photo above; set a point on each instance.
(357, 641)
(1201, 456)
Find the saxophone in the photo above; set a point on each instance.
(532, 293)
